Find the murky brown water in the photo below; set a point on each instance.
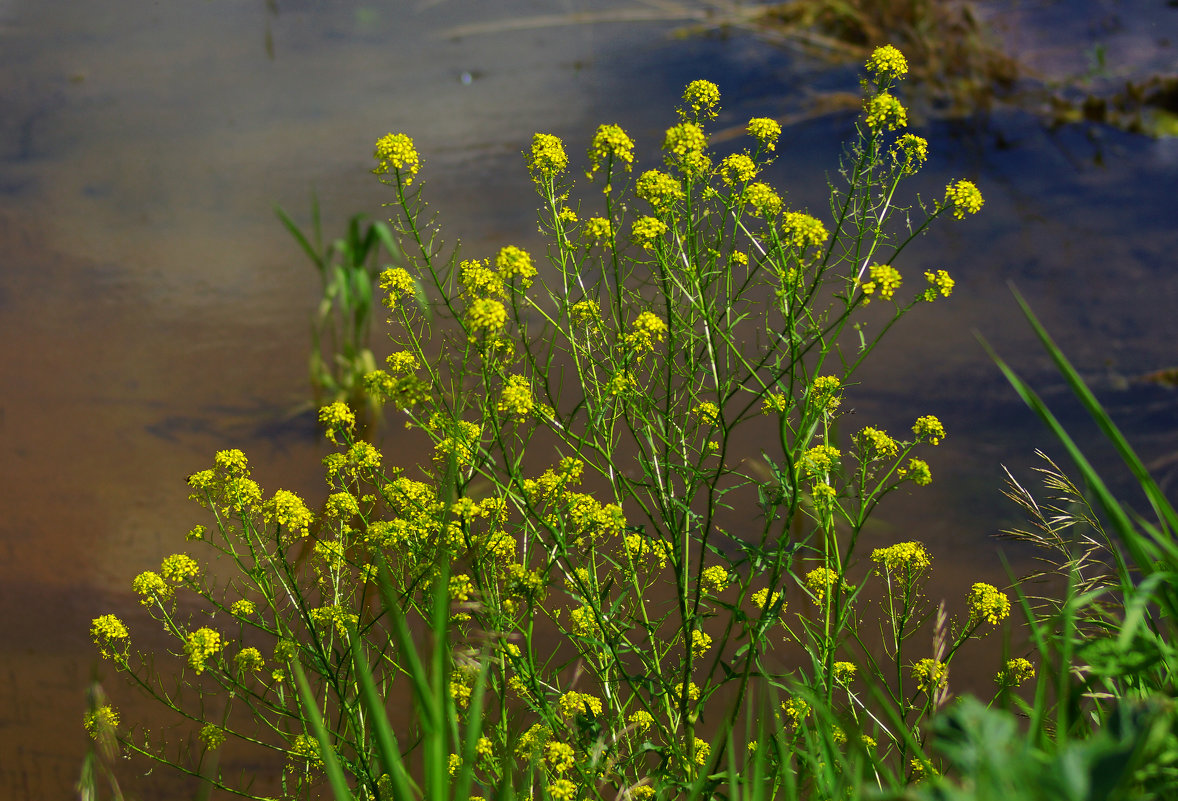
(152, 310)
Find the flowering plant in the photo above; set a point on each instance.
(611, 585)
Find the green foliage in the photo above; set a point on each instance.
(341, 327)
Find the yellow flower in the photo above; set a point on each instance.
(938, 281)
(908, 557)
(249, 659)
(987, 603)
(242, 608)
(398, 284)
(337, 418)
(547, 159)
(516, 398)
(306, 748)
(107, 630)
(964, 197)
(658, 189)
(928, 429)
(486, 315)
(762, 198)
(766, 131)
(288, 510)
(708, 413)
(774, 402)
(917, 470)
(212, 736)
(886, 63)
(885, 111)
(795, 710)
(641, 720)
(512, 262)
(396, 152)
(819, 460)
(885, 278)
(915, 152)
(479, 280)
(645, 331)
(930, 675)
(737, 168)
(151, 588)
(646, 229)
(761, 599)
(611, 145)
(876, 444)
(843, 672)
(819, 581)
(575, 703)
(714, 578)
(703, 98)
(102, 721)
(802, 231)
(702, 751)
(598, 229)
(1014, 673)
(562, 790)
(200, 646)
(700, 643)
(560, 756)
(686, 145)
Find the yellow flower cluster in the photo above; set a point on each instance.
(819, 582)
(249, 660)
(917, 470)
(761, 599)
(289, 511)
(512, 263)
(479, 280)
(887, 63)
(876, 444)
(180, 568)
(486, 315)
(107, 631)
(516, 398)
(575, 703)
(560, 756)
(795, 710)
(708, 413)
(766, 131)
(906, 557)
(641, 720)
(645, 549)
(763, 199)
(928, 429)
(820, 459)
(337, 418)
(700, 643)
(646, 229)
(397, 284)
(686, 148)
(885, 111)
(938, 281)
(101, 722)
(702, 99)
(774, 402)
(930, 675)
(151, 588)
(802, 231)
(1014, 673)
(646, 329)
(658, 189)
(562, 790)
(714, 579)
(396, 153)
(737, 168)
(304, 747)
(885, 278)
(463, 443)
(843, 672)
(987, 603)
(610, 146)
(826, 393)
(914, 150)
(200, 646)
(964, 197)
(212, 735)
(598, 229)
(547, 159)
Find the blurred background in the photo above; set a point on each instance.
(153, 310)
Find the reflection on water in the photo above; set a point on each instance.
(152, 310)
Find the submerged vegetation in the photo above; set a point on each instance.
(583, 594)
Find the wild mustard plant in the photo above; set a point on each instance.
(616, 570)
